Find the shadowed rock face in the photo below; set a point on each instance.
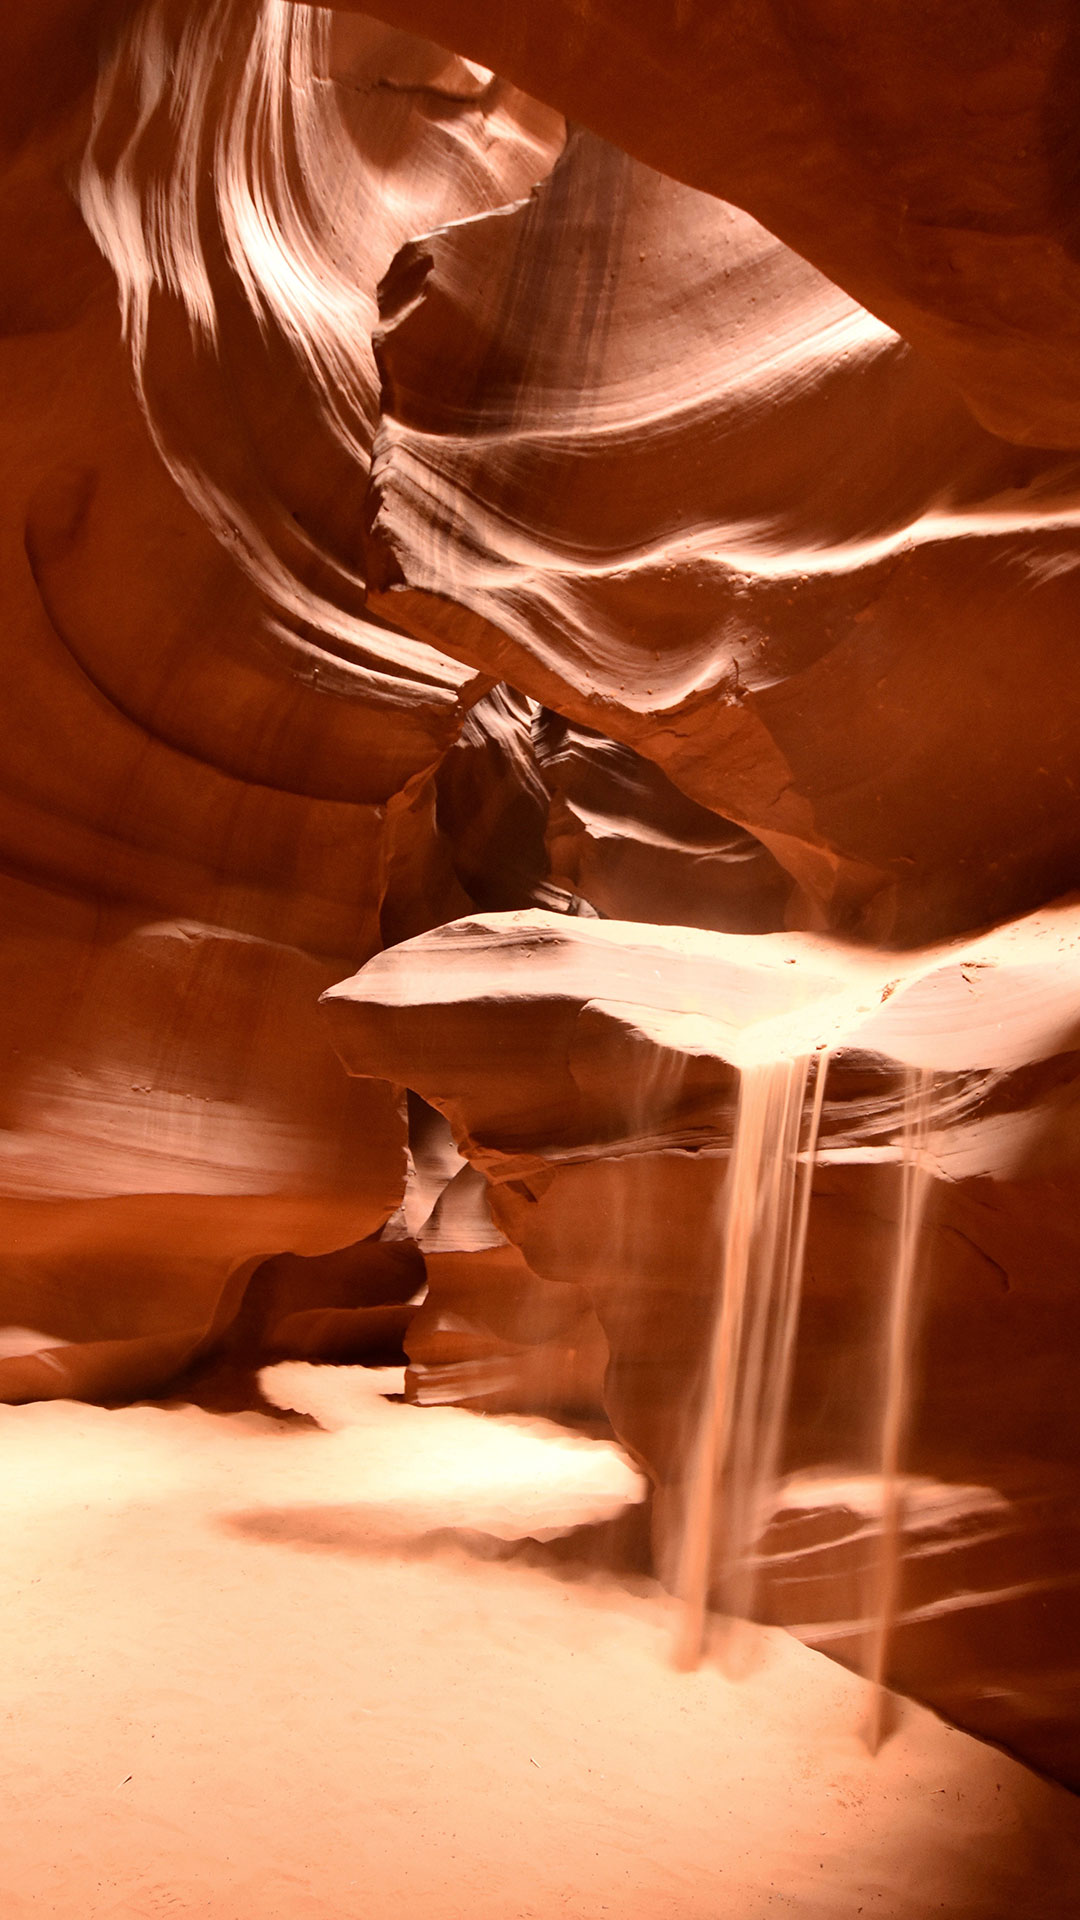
(925, 159)
(588, 1070)
(674, 484)
(491, 1334)
(218, 772)
(623, 838)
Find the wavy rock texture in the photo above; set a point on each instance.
(249, 214)
(622, 838)
(588, 1072)
(491, 1334)
(672, 483)
(924, 158)
(536, 811)
(217, 785)
(493, 804)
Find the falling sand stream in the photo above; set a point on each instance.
(914, 1190)
(734, 1466)
(736, 1450)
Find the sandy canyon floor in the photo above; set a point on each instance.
(266, 1671)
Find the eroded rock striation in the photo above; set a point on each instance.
(674, 484)
(218, 770)
(924, 159)
(589, 1071)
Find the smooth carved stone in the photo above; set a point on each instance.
(493, 806)
(1004, 1558)
(621, 837)
(216, 772)
(172, 1117)
(350, 1306)
(588, 1070)
(539, 812)
(924, 159)
(673, 484)
(160, 1279)
(308, 151)
(490, 1333)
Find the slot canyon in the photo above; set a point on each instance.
(540, 959)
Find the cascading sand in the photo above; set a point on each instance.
(735, 1455)
(898, 1334)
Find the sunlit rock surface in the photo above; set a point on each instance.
(673, 483)
(217, 771)
(588, 1070)
(925, 159)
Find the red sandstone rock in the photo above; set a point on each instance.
(925, 159)
(586, 1068)
(216, 788)
(673, 484)
(493, 806)
(621, 837)
(491, 1334)
(987, 1627)
(646, 464)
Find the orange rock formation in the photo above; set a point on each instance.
(616, 591)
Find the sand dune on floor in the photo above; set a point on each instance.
(287, 1671)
